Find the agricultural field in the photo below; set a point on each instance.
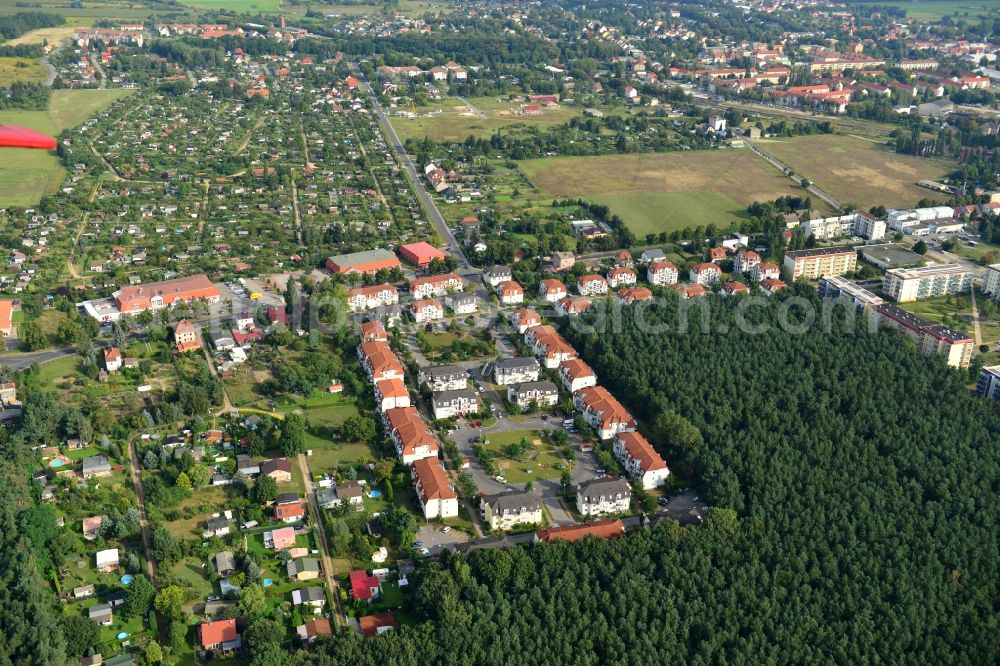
(936, 9)
(858, 170)
(84, 13)
(660, 192)
(241, 6)
(53, 35)
(27, 70)
(27, 175)
(454, 119)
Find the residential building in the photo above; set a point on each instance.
(436, 285)
(548, 345)
(247, 465)
(510, 293)
(764, 271)
(376, 624)
(411, 436)
(621, 277)
(225, 563)
(314, 597)
(868, 226)
(494, 276)
(462, 303)
(91, 527)
(599, 496)
(515, 370)
(705, 273)
(369, 262)
(101, 614)
(573, 305)
(505, 510)
(290, 513)
(305, 568)
(279, 469)
(220, 635)
(390, 394)
(717, 254)
(437, 497)
(280, 539)
(364, 586)
(640, 460)
(562, 261)
(313, 629)
(603, 412)
(153, 296)
(771, 286)
(420, 254)
(426, 310)
(443, 377)
(351, 493)
(216, 526)
(95, 467)
(591, 285)
(373, 331)
(904, 285)
(458, 402)
(379, 361)
(815, 263)
(930, 339)
(661, 273)
(988, 383)
(106, 560)
(542, 393)
(524, 318)
(991, 281)
(187, 337)
(367, 298)
(631, 295)
(8, 392)
(651, 256)
(746, 260)
(551, 290)
(112, 359)
(732, 288)
(841, 288)
(576, 375)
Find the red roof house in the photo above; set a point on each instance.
(364, 587)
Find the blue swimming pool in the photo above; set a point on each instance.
(126, 579)
(56, 463)
(123, 634)
(375, 494)
(267, 582)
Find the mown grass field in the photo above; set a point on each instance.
(28, 70)
(27, 175)
(858, 170)
(52, 35)
(664, 191)
(451, 119)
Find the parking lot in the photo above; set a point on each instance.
(434, 540)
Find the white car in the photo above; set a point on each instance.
(446, 529)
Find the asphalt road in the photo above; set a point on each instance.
(23, 360)
(425, 198)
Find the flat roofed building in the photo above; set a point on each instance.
(930, 339)
(420, 254)
(890, 255)
(820, 262)
(841, 288)
(369, 261)
(988, 383)
(904, 285)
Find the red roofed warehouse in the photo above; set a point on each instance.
(158, 295)
(420, 254)
(370, 261)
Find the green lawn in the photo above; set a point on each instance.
(671, 211)
(69, 108)
(949, 310)
(327, 456)
(935, 9)
(541, 462)
(51, 370)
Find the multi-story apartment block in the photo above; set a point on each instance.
(662, 273)
(930, 339)
(991, 281)
(543, 393)
(437, 498)
(459, 402)
(410, 435)
(367, 298)
(746, 260)
(705, 273)
(515, 370)
(841, 288)
(576, 375)
(904, 285)
(436, 285)
(506, 510)
(551, 290)
(603, 412)
(443, 377)
(591, 285)
(599, 496)
(815, 263)
(988, 384)
(640, 460)
(621, 277)
(495, 275)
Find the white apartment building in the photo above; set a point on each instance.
(661, 273)
(820, 262)
(904, 285)
(640, 460)
(599, 496)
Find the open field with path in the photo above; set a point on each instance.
(858, 170)
(451, 119)
(664, 191)
(27, 175)
(54, 35)
(243, 6)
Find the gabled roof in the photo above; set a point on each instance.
(220, 631)
(602, 529)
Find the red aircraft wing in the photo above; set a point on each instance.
(12, 136)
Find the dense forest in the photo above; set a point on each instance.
(22, 22)
(856, 483)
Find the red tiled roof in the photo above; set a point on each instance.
(363, 585)
(433, 480)
(602, 529)
(215, 633)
